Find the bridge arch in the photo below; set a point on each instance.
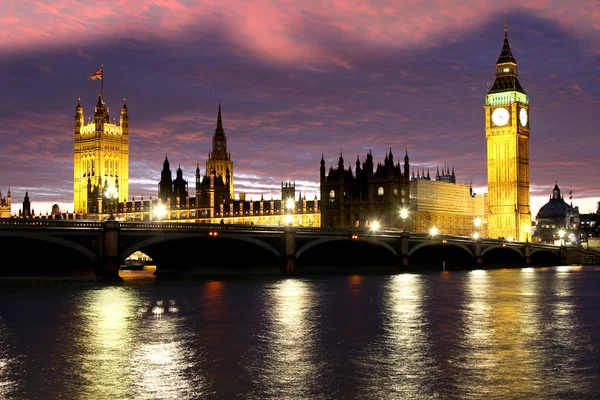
(165, 237)
(490, 248)
(92, 256)
(426, 244)
(333, 239)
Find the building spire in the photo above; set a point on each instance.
(506, 55)
(219, 129)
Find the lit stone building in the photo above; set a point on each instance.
(378, 194)
(5, 205)
(212, 199)
(451, 208)
(507, 134)
(555, 216)
(100, 159)
(367, 195)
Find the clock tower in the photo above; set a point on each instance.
(507, 134)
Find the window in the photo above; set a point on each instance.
(380, 191)
(395, 192)
(332, 194)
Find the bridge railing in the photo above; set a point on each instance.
(50, 223)
(16, 223)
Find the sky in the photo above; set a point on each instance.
(296, 80)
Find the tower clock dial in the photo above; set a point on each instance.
(523, 117)
(500, 116)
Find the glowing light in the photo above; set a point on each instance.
(477, 222)
(476, 236)
(374, 225)
(288, 219)
(561, 233)
(354, 236)
(510, 239)
(404, 213)
(160, 211)
(111, 193)
(290, 204)
(433, 231)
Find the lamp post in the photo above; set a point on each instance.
(561, 235)
(404, 215)
(160, 211)
(290, 206)
(433, 231)
(111, 194)
(477, 223)
(527, 229)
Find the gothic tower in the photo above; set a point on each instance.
(507, 134)
(101, 156)
(219, 160)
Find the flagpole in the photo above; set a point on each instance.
(102, 83)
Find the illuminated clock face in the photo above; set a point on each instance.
(500, 116)
(523, 117)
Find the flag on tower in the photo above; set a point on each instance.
(96, 76)
(570, 195)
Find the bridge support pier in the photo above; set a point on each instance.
(289, 247)
(527, 253)
(404, 237)
(109, 262)
(478, 258)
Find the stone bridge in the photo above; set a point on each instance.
(38, 246)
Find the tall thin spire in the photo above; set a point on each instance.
(219, 129)
(506, 54)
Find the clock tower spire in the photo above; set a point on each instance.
(507, 135)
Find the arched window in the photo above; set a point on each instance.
(380, 191)
(332, 194)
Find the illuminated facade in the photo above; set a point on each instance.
(369, 195)
(212, 201)
(219, 160)
(507, 134)
(451, 208)
(100, 159)
(5, 205)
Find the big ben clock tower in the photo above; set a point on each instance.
(507, 134)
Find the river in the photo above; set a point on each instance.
(531, 333)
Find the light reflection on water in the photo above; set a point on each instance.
(289, 367)
(501, 334)
(398, 361)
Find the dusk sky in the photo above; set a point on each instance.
(296, 79)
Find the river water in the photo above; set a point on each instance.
(496, 334)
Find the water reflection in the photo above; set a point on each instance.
(160, 365)
(131, 351)
(10, 364)
(398, 364)
(502, 322)
(289, 368)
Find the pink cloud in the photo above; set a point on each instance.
(283, 31)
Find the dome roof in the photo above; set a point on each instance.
(555, 207)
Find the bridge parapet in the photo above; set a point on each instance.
(108, 243)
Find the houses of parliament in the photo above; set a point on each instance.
(349, 197)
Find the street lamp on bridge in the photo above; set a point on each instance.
(160, 211)
(112, 195)
(527, 229)
(404, 215)
(561, 235)
(290, 206)
(477, 223)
